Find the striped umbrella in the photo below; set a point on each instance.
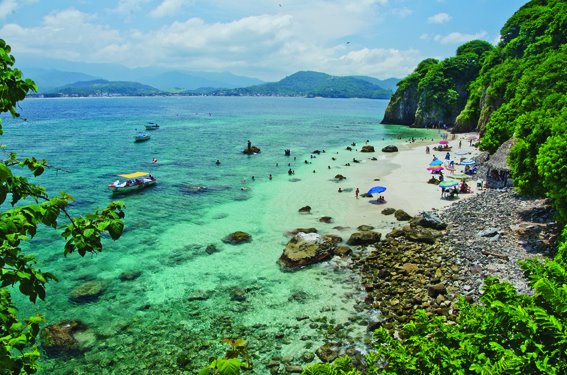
(468, 162)
(448, 183)
(435, 168)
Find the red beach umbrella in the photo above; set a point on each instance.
(443, 142)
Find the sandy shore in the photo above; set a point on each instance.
(403, 173)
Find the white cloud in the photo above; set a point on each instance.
(425, 37)
(7, 7)
(457, 37)
(168, 8)
(439, 18)
(67, 34)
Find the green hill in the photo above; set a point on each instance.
(313, 84)
(102, 87)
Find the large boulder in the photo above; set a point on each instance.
(390, 148)
(305, 209)
(401, 215)
(429, 220)
(304, 230)
(328, 352)
(237, 237)
(68, 337)
(307, 248)
(367, 148)
(87, 292)
(367, 237)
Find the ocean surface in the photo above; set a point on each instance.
(175, 315)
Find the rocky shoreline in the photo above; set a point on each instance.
(420, 266)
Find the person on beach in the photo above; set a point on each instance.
(447, 156)
(270, 177)
(427, 150)
(249, 145)
(340, 190)
(459, 144)
(356, 193)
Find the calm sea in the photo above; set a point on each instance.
(175, 315)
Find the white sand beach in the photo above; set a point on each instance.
(403, 173)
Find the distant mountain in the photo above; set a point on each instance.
(388, 84)
(101, 87)
(313, 84)
(49, 79)
(51, 73)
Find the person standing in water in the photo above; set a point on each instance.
(357, 192)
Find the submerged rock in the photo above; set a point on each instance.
(305, 209)
(66, 338)
(251, 150)
(87, 292)
(129, 276)
(237, 238)
(303, 230)
(328, 352)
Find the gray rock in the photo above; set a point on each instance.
(429, 220)
(364, 238)
(489, 232)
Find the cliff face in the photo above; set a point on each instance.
(436, 92)
(402, 106)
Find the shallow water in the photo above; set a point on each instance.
(150, 324)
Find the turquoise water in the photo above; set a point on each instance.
(150, 324)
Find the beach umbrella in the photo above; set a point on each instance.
(376, 190)
(468, 162)
(444, 142)
(460, 176)
(448, 183)
(435, 168)
(436, 162)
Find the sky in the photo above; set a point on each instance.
(263, 39)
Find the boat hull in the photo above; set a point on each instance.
(117, 190)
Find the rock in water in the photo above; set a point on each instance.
(305, 209)
(87, 292)
(237, 237)
(68, 337)
(390, 148)
(307, 248)
(251, 151)
(367, 148)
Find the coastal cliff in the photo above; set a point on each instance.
(436, 92)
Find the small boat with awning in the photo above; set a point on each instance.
(133, 182)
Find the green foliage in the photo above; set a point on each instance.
(235, 359)
(341, 366)
(31, 207)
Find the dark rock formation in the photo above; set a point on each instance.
(429, 220)
(401, 215)
(340, 177)
(388, 211)
(364, 238)
(305, 209)
(304, 230)
(390, 148)
(328, 352)
(237, 237)
(367, 148)
(326, 219)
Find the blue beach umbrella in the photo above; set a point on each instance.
(468, 162)
(436, 162)
(376, 190)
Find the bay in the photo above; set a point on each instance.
(175, 315)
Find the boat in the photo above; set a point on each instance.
(152, 126)
(141, 137)
(134, 182)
